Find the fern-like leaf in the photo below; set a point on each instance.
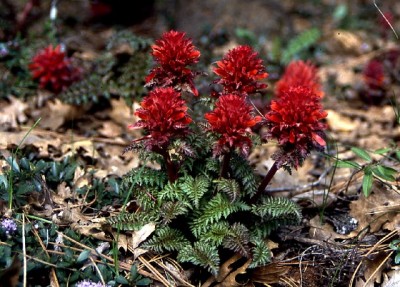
(244, 174)
(202, 254)
(167, 239)
(275, 212)
(229, 187)
(131, 221)
(218, 207)
(171, 192)
(300, 43)
(260, 253)
(195, 188)
(145, 177)
(278, 208)
(216, 233)
(238, 239)
(170, 210)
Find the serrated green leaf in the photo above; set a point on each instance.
(346, 164)
(385, 172)
(83, 256)
(367, 182)
(361, 153)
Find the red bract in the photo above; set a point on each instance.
(174, 52)
(53, 69)
(163, 115)
(232, 120)
(294, 121)
(241, 70)
(299, 73)
(374, 74)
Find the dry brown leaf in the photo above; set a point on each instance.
(121, 113)
(141, 235)
(41, 141)
(344, 42)
(380, 209)
(56, 113)
(12, 113)
(372, 271)
(324, 232)
(269, 274)
(87, 146)
(392, 278)
(340, 123)
(110, 130)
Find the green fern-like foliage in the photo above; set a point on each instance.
(216, 233)
(277, 207)
(300, 43)
(229, 187)
(131, 67)
(167, 239)
(171, 210)
(274, 213)
(146, 177)
(244, 174)
(261, 254)
(238, 239)
(201, 215)
(201, 254)
(137, 43)
(127, 79)
(195, 188)
(130, 221)
(89, 90)
(212, 211)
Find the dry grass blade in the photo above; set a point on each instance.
(155, 272)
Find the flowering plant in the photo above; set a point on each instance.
(204, 184)
(53, 69)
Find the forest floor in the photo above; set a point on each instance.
(348, 233)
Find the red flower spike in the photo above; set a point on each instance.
(232, 119)
(299, 73)
(241, 70)
(174, 52)
(374, 75)
(53, 70)
(294, 121)
(163, 115)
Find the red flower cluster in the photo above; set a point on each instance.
(174, 52)
(299, 73)
(163, 115)
(374, 74)
(232, 119)
(294, 122)
(53, 70)
(241, 70)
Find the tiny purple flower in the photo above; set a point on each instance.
(89, 283)
(9, 226)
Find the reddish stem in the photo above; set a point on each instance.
(171, 167)
(225, 165)
(274, 168)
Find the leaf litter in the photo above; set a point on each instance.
(97, 139)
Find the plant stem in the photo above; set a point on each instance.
(265, 182)
(225, 165)
(171, 168)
